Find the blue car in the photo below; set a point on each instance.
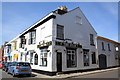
(19, 68)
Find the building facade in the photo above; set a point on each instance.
(1, 53)
(108, 52)
(61, 41)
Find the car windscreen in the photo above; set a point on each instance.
(23, 64)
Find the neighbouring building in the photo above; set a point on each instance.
(61, 41)
(108, 52)
(3, 58)
(1, 53)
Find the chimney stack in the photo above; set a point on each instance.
(61, 10)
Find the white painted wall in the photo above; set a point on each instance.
(111, 61)
(78, 33)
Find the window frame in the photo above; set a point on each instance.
(93, 55)
(69, 58)
(86, 62)
(43, 58)
(60, 32)
(32, 38)
(109, 49)
(36, 59)
(92, 43)
(103, 46)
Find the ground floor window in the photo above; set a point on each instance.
(93, 58)
(86, 57)
(9, 58)
(21, 56)
(36, 59)
(71, 58)
(43, 57)
(31, 58)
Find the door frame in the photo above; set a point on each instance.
(103, 57)
(59, 63)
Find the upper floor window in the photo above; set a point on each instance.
(22, 41)
(9, 48)
(32, 37)
(92, 39)
(60, 32)
(103, 46)
(109, 47)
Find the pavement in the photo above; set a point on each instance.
(106, 73)
(115, 74)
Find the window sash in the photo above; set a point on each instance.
(91, 39)
(93, 58)
(71, 58)
(103, 46)
(32, 37)
(109, 47)
(43, 57)
(86, 58)
(60, 32)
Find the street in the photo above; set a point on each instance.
(112, 74)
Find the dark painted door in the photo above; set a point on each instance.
(59, 62)
(102, 61)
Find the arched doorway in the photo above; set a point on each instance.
(102, 61)
(36, 59)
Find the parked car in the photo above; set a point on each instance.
(5, 67)
(2, 64)
(18, 68)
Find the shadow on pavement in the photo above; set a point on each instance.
(26, 76)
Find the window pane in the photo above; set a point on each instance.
(71, 58)
(86, 58)
(91, 39)
(43, 57)
(93, 58)
(60, 32)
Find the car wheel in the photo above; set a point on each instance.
(13, 74)
(6, 70)
(29, 75)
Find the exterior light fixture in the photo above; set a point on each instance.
(117, 49)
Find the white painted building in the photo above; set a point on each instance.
(61, 41)
(108, 51)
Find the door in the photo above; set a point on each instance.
(59, 62)
(102, 61)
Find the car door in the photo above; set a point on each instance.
(12, 67)
(9, 67)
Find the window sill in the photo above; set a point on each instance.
(72, 67)
(43, 65)
(103, 49)
(31, 44)
(59, 38)
(92, 44)
(94, 63)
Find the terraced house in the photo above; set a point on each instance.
(61, 41)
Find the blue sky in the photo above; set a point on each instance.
(18, 16)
